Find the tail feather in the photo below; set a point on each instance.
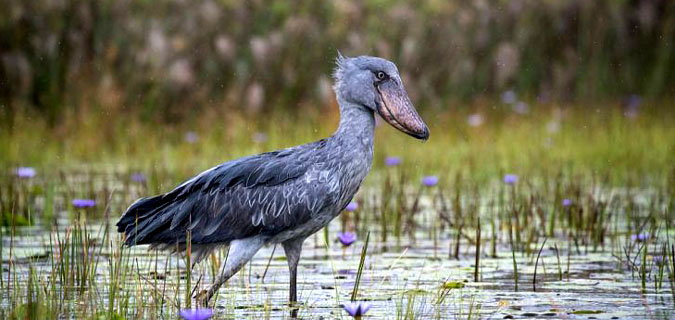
(138, 211)
(148, 220)
(142, 218)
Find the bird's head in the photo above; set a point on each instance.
(374, 83)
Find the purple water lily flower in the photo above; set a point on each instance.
(566, 202)
(138, 177)
(510, 179)
(553, 126)
(634, 101)
(346, 238)
(25, 172)
(346, 272)
(196, 314)
(83, 203)
(544, 97)
(509, 97)
(521, 108)
(475, 120)
(352, 206)
(392, 161)
(357, 309)
(640, 237)
(191, 137)
(259, 137)
(632, 106)
(430, 181)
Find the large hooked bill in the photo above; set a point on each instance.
(395, 108)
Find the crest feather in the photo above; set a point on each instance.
(340, 61)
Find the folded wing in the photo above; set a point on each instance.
(262, 194)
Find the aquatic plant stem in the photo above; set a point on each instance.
(269, 261)
(557, 255)
(643, 269)
(672, 270)
(188, 265)
(515, 269)
(536, 263)
(477, 266)
(364, 251)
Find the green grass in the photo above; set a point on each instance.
(589, 140)
(617, 171)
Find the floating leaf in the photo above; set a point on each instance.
(453, 285)
(586, 311)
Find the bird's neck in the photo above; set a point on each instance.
(357, 124)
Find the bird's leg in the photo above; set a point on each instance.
(293, 248)
(240, 252)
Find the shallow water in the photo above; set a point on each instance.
(403, 278)
(597, 286)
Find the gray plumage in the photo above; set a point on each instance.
(281, 196)
(263, 195)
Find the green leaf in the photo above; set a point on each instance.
(453, 285)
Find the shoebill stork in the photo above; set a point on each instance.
(281, 196)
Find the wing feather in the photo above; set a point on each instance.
(234, 200)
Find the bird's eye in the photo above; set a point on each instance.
(381, 75)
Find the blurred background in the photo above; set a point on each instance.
(91, 79)
(167, 60)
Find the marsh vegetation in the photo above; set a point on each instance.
(569, 209)
(547, 188)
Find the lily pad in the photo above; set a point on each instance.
(453, 285)
(586, 311)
